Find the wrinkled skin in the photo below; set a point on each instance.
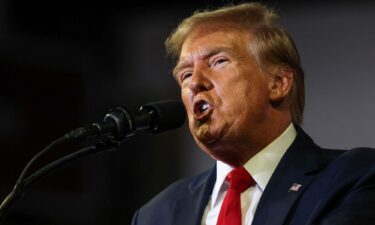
(216, 69)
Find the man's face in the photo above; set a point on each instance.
(225, 92)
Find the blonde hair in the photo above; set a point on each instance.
(271, 45)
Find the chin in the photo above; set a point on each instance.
(203, 134)
(206, 139)
(207, 134)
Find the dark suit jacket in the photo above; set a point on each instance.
(338, 188)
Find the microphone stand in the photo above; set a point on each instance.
(19, 188)
(119, 124)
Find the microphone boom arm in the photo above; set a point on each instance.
(118, 125)
(19, 189)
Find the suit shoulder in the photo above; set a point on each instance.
(188, 194)
(362, 154)
(179, 189)
(355, 162)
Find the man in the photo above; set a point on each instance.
(242, 86)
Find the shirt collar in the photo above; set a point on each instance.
(261, 166)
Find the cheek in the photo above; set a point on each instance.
(238, 95)
(242, 100)
(185, 97)
(186, 100)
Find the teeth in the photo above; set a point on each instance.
(203, 107)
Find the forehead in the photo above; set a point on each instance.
(209, 39)
(212, 36)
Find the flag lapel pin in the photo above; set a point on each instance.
(295, 187)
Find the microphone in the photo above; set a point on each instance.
(120, 123)
(117, 125)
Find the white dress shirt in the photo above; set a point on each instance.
(260, 167)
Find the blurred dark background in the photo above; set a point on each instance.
(63, 64)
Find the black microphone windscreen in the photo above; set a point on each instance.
(169, 114)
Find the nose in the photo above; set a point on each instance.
(200, 80)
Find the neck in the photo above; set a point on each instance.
(244, 148)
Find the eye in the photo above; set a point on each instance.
(221, 61)
(183, 76)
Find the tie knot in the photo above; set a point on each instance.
(239, 179)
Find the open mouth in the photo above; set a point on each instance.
(202, 109)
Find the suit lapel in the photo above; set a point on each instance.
(189, 210)
(296, 170)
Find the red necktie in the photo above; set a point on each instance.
(230, 212)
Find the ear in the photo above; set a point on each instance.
(281, 84)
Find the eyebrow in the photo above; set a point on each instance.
(202, 55)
